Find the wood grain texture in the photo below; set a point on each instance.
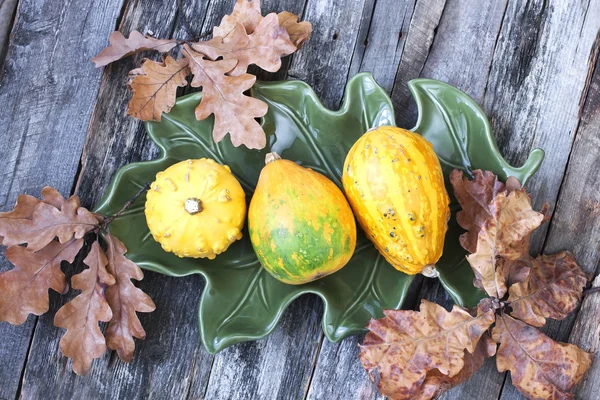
(7, 13)
(535, 86)
(576, 222)
(277, 367)
(419, 38)
(47, 93)
(325, 59)
(382, 35)
(339, 375)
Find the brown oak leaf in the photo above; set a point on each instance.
(475, 197)
(244, 12)
(224, 97)
(154, 87)
(503, 235)
(552, 290)
(122, 47)
(404, 346)
(26, 204)
(540, 368)
(84, 341)
(24, 288)
(264, 47)
(436, 383)
(124, 300)
(46, 222)
(248, 14)
(299, 32)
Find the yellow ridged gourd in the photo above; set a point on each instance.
(196, 208)
(394, 183)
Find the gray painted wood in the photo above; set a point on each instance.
(47, 93)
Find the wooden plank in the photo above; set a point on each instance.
(7, 13)
(277, 367)
(536, 82)
(545, 97)
(576, 221)
(170, 362)
(47, 92)
(287, 357)
(382, 34)
(419, 38)
(325, 59)
(444, 47)
(339, 374)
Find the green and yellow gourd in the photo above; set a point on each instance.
(300, 223)
(394, 183)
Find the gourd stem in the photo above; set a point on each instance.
(193, 205)
(270, 157)
(430, 272)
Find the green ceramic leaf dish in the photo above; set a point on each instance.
(241, 301)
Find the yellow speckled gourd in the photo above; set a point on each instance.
(196, 208)
(395, 186)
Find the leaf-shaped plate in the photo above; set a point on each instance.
(241, 301)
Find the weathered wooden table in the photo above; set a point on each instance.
(531, 64)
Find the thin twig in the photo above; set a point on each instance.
(129, 203)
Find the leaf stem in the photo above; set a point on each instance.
(104, 224)
(591, 290)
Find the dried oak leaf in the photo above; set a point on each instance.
(224, 97)
(299, 32)
(244, 12)
(25, 288)
(475, 197)
(124, 300)
(26, 204)
(154, 87)
(505, 234)
(436, 383)
(248, 13)
(540, 368)
(46, 222)
(84, 340)
(402, 348)
(122, 47)
(264, 47)
(552, 290)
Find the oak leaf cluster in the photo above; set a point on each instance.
(421, 354)
(42, 234)
(219, 66)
